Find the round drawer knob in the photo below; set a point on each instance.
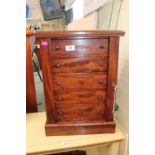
(57, 65)
(100, 81)
(59, 98)
(59, 83)
(99, 112)
(99, 97)
(57, 48)
(101, 64)
(102, 46)
(60, 113)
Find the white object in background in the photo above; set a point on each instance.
(77, 9)
(92, 5)
(86, 23)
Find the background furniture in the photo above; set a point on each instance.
(80, 78)
(77, 152)
(38, 143)
(31, 103)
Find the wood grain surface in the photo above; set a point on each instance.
(79, 78)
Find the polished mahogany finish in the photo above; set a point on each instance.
(84, 112)
(79, 98)
(31, 102)
(79, 77)
(87, 65)
(83, 47)
(78, 81)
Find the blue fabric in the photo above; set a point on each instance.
(27, 11)
(32, 38)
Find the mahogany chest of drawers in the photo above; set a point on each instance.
(79, 78)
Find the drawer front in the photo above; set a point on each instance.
(80, 65)
(78, 47)
(74, 98)
(90, 112)
(79, 81)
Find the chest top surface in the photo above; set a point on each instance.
(95, 33)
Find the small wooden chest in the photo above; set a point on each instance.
(79, 78)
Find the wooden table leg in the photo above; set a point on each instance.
(114, 148)
(122, 148)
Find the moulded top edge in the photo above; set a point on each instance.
(97, 33)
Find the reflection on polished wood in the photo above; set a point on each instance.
(74, 63)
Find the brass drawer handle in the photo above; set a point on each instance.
(100, 81)
(99, 97)
(59, 83)
(60, 113)
(57, 48)
(59, 98)
(101, 46)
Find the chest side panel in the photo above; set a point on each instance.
(112, 77)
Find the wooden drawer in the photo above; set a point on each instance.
(79, 81)
(74, 98)
(80, 65)
(78, 47)
(90, 112)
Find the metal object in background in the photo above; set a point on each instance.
(34, 27)
(119, 13)
(36, 63)
(111, 13)
(116, 107)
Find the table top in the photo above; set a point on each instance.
(37, 142)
